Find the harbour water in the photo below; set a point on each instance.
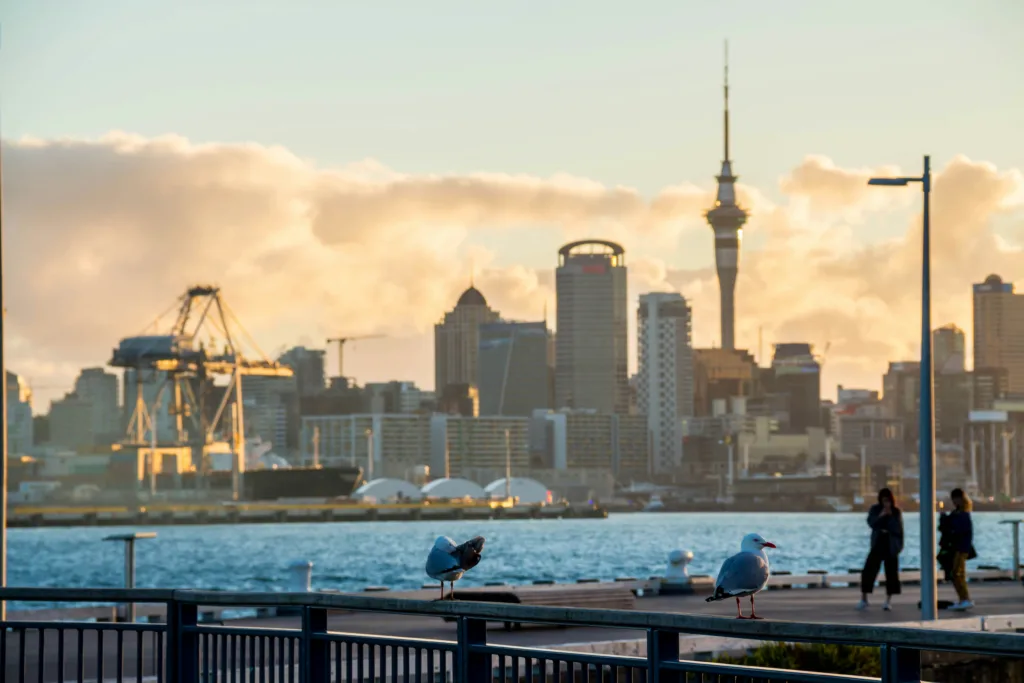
(351, 556)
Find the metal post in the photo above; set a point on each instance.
(238, 462)
(730, 477)
(1015, 529)
(369, 455)
(316, 447)
(974, 463)
(863, 472)
(508, 465)
(926, 412)
(926, 427)
(129, 564)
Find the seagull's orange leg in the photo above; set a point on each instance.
(752, 615)
(739, 612)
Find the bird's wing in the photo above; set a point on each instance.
(440, 562)
(742, 573)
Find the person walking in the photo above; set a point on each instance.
(886, 521)
(961, 542)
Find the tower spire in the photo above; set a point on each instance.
(726, 219)
(726, 111)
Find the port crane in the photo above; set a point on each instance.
(341, 341)
(185, 363)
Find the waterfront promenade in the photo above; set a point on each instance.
(834, 606)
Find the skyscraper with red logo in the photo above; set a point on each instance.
(590, 344)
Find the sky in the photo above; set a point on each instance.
(343, 168)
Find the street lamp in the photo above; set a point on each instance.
(926, 416)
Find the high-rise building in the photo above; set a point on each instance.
(272, 411)
(797, 373)
(591, 346)
(20, 426)
(901, 397)
(999, 330)
(726, 219)
(514, 372)
(98, 387)
(308, 366)
(948, 350)
(71, 420)
(457, 341)
(720, 375)
(665, 389)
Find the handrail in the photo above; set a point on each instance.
(995, 644)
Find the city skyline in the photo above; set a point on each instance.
(102, 235)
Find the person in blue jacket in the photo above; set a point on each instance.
(961, 542)
(886, 521)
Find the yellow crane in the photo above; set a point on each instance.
(341, 341)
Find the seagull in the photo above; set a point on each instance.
(745, 573)
(448, 562)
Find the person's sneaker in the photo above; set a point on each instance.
(862, 605)
(961, 606)
(887, 607)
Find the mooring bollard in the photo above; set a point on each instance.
(1015, 528)
(300, 576)
(677, 575)
(129, 564)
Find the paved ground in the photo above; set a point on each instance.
(835, 605)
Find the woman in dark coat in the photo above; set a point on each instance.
(960, 530)
(886, 521)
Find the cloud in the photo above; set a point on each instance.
(104, 234)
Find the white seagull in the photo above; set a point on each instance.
(448, 562)
(745, 573)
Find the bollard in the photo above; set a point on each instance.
(300, 576)
(677, 576)
(1015, 529)
(129, 563)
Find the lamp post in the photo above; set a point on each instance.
(926, 411)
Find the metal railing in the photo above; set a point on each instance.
(183, 648)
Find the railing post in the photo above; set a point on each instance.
(662, 646)
(900, 665)
(470, 665)
(314, 650)
(182, 652)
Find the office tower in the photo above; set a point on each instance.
(590, 350)
(727, 219)
(948, 349)
(20, 426)
(457, 340)
(98, 387)
(514, 371)
(308, 366)
(272, 411)
(665, 389)
(999, 330)
(797, 373)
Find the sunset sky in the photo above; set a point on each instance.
(341, 167)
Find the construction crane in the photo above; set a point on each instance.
(341, 341)
(184, 360)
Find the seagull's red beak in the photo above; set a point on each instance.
(768, 544)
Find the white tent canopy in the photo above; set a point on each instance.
(453, 488)
(383, 490)
(529, 491)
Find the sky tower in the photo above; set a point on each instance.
(727, 219)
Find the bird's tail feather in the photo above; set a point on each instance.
(719, 594)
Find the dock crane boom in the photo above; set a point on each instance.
(340, 341)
